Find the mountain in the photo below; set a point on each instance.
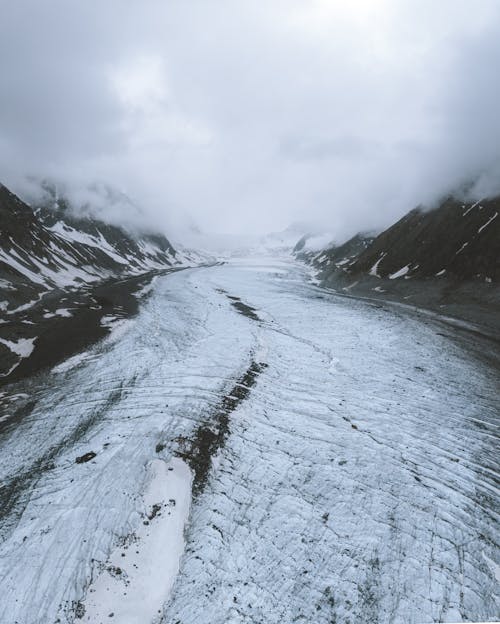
(446, 259)
(457, 239)
(53, 264)
(332, 256)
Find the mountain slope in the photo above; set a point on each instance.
(334, 256)
(54, 263)
(462, 240)
(446, 259)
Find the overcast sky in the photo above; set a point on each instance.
(246, 115)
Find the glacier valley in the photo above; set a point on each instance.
(252, 448)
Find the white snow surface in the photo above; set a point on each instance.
(488, 222)
(137, 578)
(403, 271)
(22, 347)
(357, 483)
(374, 270)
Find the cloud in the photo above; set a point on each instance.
(246, 116)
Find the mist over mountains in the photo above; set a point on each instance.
(248, 118)
(68, 277)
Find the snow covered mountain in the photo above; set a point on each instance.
(51, 260)
(447, 258)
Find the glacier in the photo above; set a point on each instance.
(354, 481)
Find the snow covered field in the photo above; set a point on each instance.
(356, 483)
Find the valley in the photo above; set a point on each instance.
(346, 456)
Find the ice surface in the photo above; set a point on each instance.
(357, 482)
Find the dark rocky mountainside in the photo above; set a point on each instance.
(461, 240)
(54, 265)
(446, 259)
(334, 255)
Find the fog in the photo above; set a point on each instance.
(242, 117)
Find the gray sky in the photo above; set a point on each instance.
(244, 116)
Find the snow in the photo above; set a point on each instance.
(63, 312)
(374, 269)
(117, 326)
(348, 288)
(70, 234)
(357, 482)
(488, 222)
(494, 567)
(149, 564)
(27, 305)
(472, 207)
(403, 271)
(67, 261)
(72, 362)
(23, 347)
(36, 278)
(108, 320)
(145, 290)
(66, 273)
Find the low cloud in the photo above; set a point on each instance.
(244, 117)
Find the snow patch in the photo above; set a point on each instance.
(347, 288)
(23, 347)
(133, 589)
(487, 223)
(403, 271)
(472, 207)
(374, 270)
(108, 320)
(71, 362)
